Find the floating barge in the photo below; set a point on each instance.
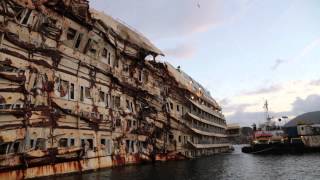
(77, 93)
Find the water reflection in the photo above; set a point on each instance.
(227, 166)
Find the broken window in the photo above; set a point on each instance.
(26, 17)
(107, 100)
(109, 58)
(71, 34)
(78, 41)
(87, 144)
(3, 148)
(129, 124)
(72, 142)
(81, 93)
(64, 88)
(104, 53)
(63, 142)
(91, 48)
(125, 68)
(31, 143)
(40, 144)
(118, 122)
(140, 75)
(72, 91)
(87, 93)
(116, 101)
(101, 96)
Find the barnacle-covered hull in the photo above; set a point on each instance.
(77, 94)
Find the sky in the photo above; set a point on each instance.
(243, 51)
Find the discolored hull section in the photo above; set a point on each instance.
(80, 91)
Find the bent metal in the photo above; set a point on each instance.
(81, 91)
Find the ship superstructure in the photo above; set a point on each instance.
(78, 94)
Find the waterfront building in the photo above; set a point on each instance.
(77, 93)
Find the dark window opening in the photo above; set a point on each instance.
(72, 142)
(81, 93)
(63, 142)
(103, 142)
(71, 91)
(104, 53)
(178, 108)
(71, 34)
(26, 17)
(87, 93)
(16, 147)
(101, 96)
(78, 41)
(171, 106)
(31, 143)
(3, 148)
(117, 101)
(118, 122)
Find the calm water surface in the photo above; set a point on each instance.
(227, 166)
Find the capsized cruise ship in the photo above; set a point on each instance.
(78, 94)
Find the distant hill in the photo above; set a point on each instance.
(307, 118)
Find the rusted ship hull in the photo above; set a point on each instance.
(77, 93)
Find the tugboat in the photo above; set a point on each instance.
(268, 138)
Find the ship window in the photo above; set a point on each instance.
(117, 101)
(118, 122)
(91, 48)
(3, 148)
(64, 88)
(104, 53)
(129, 124)
(171, 106)
(178, 108)
(71, 34)
(72, 142)
(63, 142)
(179, 139)
(16, 147)
(78, 41)
(72, 91)
(87, 93)
(40, 144)
(107, 100)
(26, 17)
(103, 142)
(128, 104)
(101, 117)
(31, 143)
(101, 96)
(125, 68)
(140, 76)
(81, 93)
(109, 58)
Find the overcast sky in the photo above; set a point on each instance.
(242, 51)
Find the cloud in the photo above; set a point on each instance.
(311, 103)
(167, 18)
(289, 99)
(183, 51)
(277, 63)
(264, 90)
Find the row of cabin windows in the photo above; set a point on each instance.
(63, 142)
(91, 47)
(11, 106)
(184, 140)
(207, 127)
(74, 37)
(206, 115)
(67, 90)
(178, 108)
(8, 148)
